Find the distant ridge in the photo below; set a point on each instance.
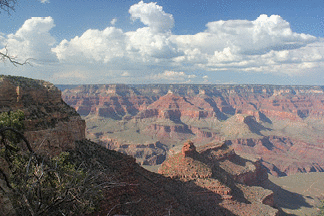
(196, 87)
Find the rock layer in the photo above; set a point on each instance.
(291, 102)
(50, 123)
(171, 114)
(287, 156)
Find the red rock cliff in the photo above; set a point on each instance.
(51, 125)
(212, 174)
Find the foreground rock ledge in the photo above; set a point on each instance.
(51, 125)
(216, 174)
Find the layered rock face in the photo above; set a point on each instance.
(171, 114)
(291, 102)
(217, 175)
(281, 155)
(145, 154)
(115, 101)
(51, 125)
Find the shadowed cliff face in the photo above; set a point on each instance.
(170, 114)
(51, 125)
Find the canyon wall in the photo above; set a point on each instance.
(51, 125)
(291, 102)
(281, 125)
(282, 155)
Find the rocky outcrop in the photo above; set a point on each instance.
(189, 149)
(148, 193)
(201, 183)
(264, 102)
(51, 125)
(248, 171)
(114, 101)
(214, 173)
(172, 106)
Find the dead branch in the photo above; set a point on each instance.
(7, 5)
(2, 130)
(11, 59)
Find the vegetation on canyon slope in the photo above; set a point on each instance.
(40, 185)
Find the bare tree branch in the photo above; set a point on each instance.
(7, 5)
(19, 134)
(6, 56)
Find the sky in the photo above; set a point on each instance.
(141, 42)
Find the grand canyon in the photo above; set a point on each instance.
(280, 125)
(179, 149)
(182, 108)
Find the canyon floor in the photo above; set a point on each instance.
(299, 194)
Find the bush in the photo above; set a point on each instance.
(41, 185)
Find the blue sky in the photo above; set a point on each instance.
(167, 41)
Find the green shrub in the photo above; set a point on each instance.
(41, 185)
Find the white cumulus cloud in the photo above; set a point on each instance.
(44, 1)
(148, 45)
(93, 46)
(171, 76)
(248, 45)
(264, 45)
(32, 40)
(125, 74)
(113, 21)
(153, 16)
(153, 45)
